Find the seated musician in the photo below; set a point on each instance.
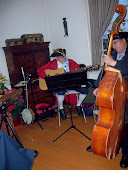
(118, 60)
(61, 61)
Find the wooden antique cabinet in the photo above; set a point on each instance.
(29, 56)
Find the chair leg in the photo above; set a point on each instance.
(84, 116)
(58, 110)
(59, 117)
(82, 110)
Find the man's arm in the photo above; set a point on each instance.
(50, 65)
(109, 60)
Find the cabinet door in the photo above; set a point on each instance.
(41, 58)
(26, 62)
(36, 96)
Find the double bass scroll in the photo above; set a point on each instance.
(121, 9)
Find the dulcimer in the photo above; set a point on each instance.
(10, 97)
(108, 132)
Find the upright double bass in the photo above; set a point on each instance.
(107, 135)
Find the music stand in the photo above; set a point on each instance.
(68, 81)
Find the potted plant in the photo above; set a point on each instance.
(3, 80)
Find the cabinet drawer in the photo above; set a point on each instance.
(40, 94)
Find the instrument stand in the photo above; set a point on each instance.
(8, 124)
(27, 80)
(36, 116)
(72, 125)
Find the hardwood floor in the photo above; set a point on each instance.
(69, 151)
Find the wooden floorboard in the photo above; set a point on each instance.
(69, 151)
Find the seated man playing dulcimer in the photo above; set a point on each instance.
(61, 61)
(118, 60)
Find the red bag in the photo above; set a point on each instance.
(45, 110)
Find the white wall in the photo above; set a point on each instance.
(45, 16)
(76, 43)
(17, 18)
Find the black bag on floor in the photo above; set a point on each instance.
(88, 109)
